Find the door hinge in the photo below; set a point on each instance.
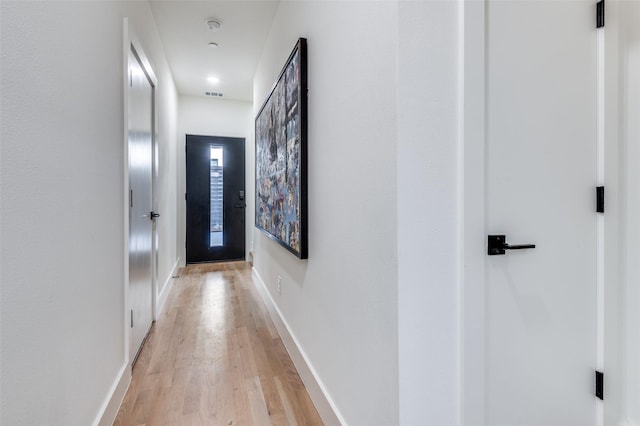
(600, 14)
(131, 198)
(132, 318)
(600, 199)
(600, 385)
(185, 196)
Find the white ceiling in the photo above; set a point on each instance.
(185, 36)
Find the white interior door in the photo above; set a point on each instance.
(140, 221)
(541, 178)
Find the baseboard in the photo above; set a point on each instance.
(317, 391)
(111, 405)
(166, 289)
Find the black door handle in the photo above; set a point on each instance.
(497, 244)
(153, 215)
(240, 206)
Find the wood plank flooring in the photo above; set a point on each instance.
(215, 358)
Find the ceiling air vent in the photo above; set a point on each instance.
(214, 94)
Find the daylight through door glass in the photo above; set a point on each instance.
(216, 227)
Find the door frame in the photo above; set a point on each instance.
(472, 214)
(132, 42)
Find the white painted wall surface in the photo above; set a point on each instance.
(167, 164)
(341, 304)
(428, 296)
(630, 100)
(213, 117)
(62, 264)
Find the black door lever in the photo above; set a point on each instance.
(497, 244)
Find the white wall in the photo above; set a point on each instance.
(341, 304)
(428, 296)
(630, 132)
(62, 224)
(213, 117)
(439, 176)
(165, 184)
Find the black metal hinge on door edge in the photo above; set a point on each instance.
(600, 14)
(600, 199)
(600, 384)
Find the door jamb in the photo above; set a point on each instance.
(471, 240)
(615, 223)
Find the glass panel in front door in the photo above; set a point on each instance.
(216, 181)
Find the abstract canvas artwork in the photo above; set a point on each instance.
(281, 157)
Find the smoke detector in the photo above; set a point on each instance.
(213, 24)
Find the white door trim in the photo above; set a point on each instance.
(615, 226)
(132, 42)
(472, 112)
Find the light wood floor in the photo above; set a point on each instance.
(215, 358)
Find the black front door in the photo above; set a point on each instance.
(215, 199)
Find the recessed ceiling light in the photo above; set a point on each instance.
(213, 24)
(213, 44)
(213, 80)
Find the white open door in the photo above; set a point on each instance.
(541, 177)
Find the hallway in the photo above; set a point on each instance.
(215, 358)
(433, 128)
